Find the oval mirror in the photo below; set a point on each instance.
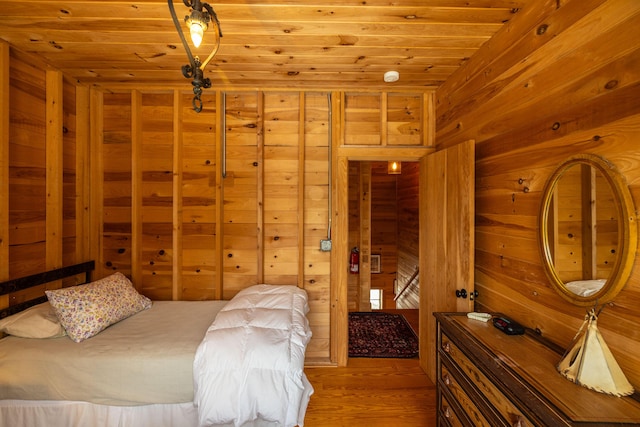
(588, 230)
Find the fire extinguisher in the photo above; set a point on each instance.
(354, 264)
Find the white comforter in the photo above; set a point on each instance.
(250, 363)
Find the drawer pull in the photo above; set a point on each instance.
(447, 413)
(446, 347)
(519, 422)
(446, 379)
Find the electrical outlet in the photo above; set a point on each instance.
(325, 245)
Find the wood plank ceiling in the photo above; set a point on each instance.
(266, 43)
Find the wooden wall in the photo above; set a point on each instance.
(384, 230)
(562, 78)
(584, 225)
(354, 291)
(408, 196)
(27, 166)
(41, 169)
(134, 179)
(174, 222)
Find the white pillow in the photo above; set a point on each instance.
(39, 321)
(86, 310)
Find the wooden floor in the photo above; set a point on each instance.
(371, 393)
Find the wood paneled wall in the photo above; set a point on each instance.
(384, 230)
(354, 292)
(5, 119)
(42, 173)
(562, 78)
(407, 205)
(134, 179)
(173, 220)
(583, 229)
(26, 169)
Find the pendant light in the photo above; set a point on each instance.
(198, 21)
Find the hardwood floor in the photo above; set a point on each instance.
(371, 393)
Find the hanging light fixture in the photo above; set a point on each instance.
(199, 19)
(394, 168)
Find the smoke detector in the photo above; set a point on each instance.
(391, 76)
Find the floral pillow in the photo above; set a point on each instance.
(39, 321)
(86, 310)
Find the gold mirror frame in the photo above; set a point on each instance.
(627, 231)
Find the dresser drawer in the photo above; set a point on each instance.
(449, 414)
(511, 414)
(465, 402)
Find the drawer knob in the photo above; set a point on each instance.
(519, 422)
(446, 379)
(447, 413)
(446, 347)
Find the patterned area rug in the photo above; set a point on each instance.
(375, 334)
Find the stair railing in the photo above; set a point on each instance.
(406, 286)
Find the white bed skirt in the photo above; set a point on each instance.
(70, 414)
(42, 413)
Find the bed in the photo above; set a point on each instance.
(100, 354)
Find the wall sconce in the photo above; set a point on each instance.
(394, 168)
(201, 16)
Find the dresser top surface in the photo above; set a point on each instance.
(535, 362)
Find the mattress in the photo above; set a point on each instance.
(144, 359)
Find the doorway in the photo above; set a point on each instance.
(383, 225)
(446, 211)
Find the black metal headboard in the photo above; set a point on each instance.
(22, 283)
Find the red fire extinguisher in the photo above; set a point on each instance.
(354, 264)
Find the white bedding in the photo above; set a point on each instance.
(259, 341)
(585, 288)
(145, 359)
(250, 363)
(43, 413)
(50, 413)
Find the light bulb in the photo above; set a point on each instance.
(197, 32)
(394, 168)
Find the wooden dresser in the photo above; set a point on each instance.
(488, 378)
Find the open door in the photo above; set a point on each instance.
(447, 181)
